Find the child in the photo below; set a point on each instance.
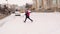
(27, 14)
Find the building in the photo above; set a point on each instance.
(46, 4)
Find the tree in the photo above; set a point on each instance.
(28, 5)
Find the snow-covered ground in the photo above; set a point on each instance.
(44, 23)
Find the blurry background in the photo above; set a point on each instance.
(9, 6)
(17, 2)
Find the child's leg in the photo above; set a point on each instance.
(25, 19)
(30, 19)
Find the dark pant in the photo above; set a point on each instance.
(28, 18)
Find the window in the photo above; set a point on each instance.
(54, 2)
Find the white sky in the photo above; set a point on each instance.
(18, 2)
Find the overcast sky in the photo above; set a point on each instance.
(18, 2)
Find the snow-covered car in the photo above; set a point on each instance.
(17, 13)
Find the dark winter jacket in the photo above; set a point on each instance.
(27, 13)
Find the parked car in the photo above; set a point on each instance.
(17, 13)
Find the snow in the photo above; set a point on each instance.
(44, 23)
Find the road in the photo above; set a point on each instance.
(44, 23)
